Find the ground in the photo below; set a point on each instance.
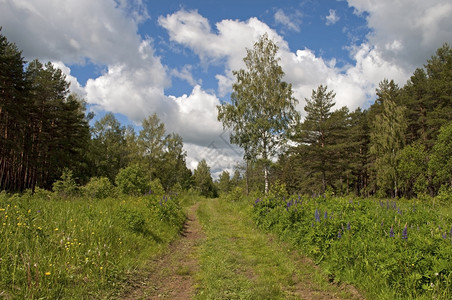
(221, 255)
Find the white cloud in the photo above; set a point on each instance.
(332, 18)
(185, 74)
(72, 31)
(195, 118)
(407, 32)
(75, 86)
(292, 22)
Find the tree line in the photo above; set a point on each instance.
(399, 146)
(45, 135)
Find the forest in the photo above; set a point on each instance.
(398, 147)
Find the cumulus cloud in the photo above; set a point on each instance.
(195, 117)
(332, 18)
(72, 31)
(227, 46)
(75, 86)
(406, 32)
(292, 22)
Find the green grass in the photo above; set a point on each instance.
(238, 261)
(79, 248)
(353, 242)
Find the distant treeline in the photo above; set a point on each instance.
(400, 146)
(44, 131)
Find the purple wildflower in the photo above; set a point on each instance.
(391, 232)
(339, 234)
(444, 235)
(325, 216)
(348, 226)
(317, 215)
(405, 233)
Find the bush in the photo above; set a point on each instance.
(99, 188)
(66, 186)
(236, 194)
(156, 188)
(133, 180)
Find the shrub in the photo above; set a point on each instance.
(133, 180)
(66, 186)
(236, 194)
(156, 188)
(99, 188)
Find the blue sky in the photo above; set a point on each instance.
(175, 58)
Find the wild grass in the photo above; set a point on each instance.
(79, 248)
(390, 249)
(238, 261)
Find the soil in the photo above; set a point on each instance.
(170, 276)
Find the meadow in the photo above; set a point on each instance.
(80, 247)
(388, 249)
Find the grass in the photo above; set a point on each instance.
(79, 248)
(389, 249)
(238, 261)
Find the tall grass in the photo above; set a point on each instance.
(79, 248)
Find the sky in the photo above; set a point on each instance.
(175, 58)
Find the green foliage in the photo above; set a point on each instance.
(133, 180)
(66, 186)
(412, 169)
(99, 188)
(235, 195)
(440, 164)
(406, 246)
(224, 182)
(263, 107)
(388, 138)
(203, 180)
(278, 190)
(156, 188)
(53, 249)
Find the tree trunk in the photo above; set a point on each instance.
(266, 179)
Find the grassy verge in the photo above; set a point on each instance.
(79, 248)
(389, 249)
(237, 261)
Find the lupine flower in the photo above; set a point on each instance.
(444, 235)
(339, 235)
(391, 232)
(405, 233)
(348, 226)
(317, 215)
(325, 216)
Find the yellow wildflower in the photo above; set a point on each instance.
(47, 273)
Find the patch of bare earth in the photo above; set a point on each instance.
(171, 276)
